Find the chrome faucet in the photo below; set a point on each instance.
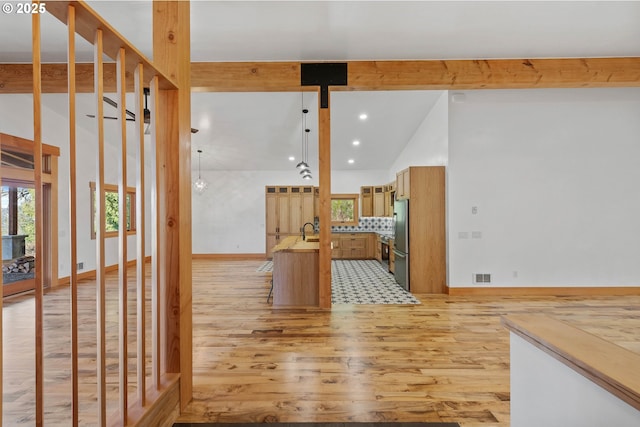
(304, 237)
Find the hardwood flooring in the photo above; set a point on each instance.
(444, 360)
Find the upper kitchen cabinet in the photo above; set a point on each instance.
(403, 184)
(287, 210)
(301, 208)
(389, 196)
(366, 201)
(378, 200)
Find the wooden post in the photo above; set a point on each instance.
(171, 52)
(324, 160)
(73, 231)
(37, 157)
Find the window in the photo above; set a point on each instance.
(344, 209)
(112, 217)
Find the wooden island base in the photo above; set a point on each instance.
(295, 272)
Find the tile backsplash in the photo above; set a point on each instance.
(380, 224)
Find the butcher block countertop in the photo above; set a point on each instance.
(296, 244)
(612, 367)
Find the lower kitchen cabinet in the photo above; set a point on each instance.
(353, 245)
(392, 257)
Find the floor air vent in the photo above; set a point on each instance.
(482, 278)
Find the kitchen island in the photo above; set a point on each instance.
(295, 272)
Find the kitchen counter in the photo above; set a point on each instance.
(296, 244)
(296, 272)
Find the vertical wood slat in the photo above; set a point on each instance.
(140, 238)
(100, 246)
(37, 157)
(156, 265)
(73, 277)
(324, 169)
(122, 233)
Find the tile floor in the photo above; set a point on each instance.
(361, 282)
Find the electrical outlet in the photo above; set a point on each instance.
(81, 266)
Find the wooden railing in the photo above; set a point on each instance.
(130, 64)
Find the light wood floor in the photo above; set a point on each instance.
(444, 360)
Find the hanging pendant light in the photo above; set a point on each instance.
(199, 185)
(303, 163)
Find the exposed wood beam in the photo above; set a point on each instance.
(413, 75)
(495, 74)
(245, 77)
(17, 78)
(363, 75)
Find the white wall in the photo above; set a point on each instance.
(17, 119)
(229, 217)
(429, 145)
(546, 392)
(554, 175)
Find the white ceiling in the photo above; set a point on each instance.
(259, 131)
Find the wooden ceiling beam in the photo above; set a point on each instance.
(362, 75)
(495, 74)
(17, 78)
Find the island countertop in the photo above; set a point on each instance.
(296, 244)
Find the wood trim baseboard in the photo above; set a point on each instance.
(230, 257)
(547, 291)
(91, 274)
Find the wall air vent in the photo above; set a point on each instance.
(482, 278)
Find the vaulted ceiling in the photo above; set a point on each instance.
(260, 131)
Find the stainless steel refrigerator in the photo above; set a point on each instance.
(401, 242)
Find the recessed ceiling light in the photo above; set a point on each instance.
(356, 142)
(291, 158)
(363, 116)
(350, 161)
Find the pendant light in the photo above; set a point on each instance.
(199, 185)
(303, 163)
(306, 173)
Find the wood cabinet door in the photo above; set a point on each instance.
(366, 201)
(378, 201)
(399, 185)
(403, 184)
(392, 257)
(295, 211)
(406, 183)
(271, 214)
(283, 213)
(388, 208)
(308, 207)
(336, 246)
(272, 240)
